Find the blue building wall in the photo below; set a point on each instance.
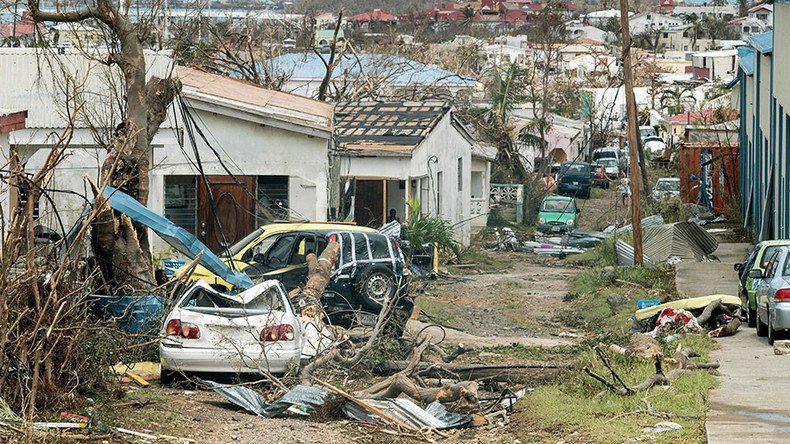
(764, 67)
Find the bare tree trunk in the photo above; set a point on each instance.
(122, 247)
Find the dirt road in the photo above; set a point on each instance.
(521, 302)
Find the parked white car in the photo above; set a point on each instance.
(655, 145)
(666, 187)
(208, 331)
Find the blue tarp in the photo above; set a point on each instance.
(177, 237)
(135, 314)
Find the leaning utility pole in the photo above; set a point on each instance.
(633, 137)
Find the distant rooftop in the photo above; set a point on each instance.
(397, 70)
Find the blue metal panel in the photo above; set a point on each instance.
(763, 43)
(746, 59)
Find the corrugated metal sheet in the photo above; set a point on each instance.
(33, 80)
(433, 417)
(625, 253)
(649, 221)
(685, 240)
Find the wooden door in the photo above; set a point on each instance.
(369, 203)
(235, 211)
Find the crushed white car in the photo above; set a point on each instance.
(249, 332)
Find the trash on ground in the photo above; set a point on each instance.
(435, 416)
(138, 372)
(663, 427)
(712, 312)
(782, 347)
(303, 399)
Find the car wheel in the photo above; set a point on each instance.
(375, 285)
(762, 328)
(751, 316)
(167, 377)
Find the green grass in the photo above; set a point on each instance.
(597, 193)
(572, 406)
(600, 256)
(441, 313)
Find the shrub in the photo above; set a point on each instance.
(424, 228)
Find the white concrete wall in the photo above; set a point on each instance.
(376, 167)
(246, 148)
(447, 145)
(484, 167)
(251, 149)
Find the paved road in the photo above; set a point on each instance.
(752, 402)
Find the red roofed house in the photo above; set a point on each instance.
(679, 122)
(373, 19)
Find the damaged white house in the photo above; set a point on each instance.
(267, 157)
(390, 151)
(264, 155)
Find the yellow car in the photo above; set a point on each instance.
(371, 268)
(244, 253)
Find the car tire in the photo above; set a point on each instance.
(762, 328)
(373, 285)
(167, 377)
(751, 316)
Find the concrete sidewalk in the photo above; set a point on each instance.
(752, 402)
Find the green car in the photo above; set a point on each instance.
(747, 286)
(557, 214)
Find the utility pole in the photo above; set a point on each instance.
(633, 137)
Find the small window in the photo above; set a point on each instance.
(361, 247)
(180, 201)
(439, 192)
(345, 245)
(261, 248)
(460, 174)
(379, 247)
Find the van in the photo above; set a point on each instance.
(575, 179)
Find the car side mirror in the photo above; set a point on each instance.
(578, 210)
(259, 258)
(738, 266)
(756, 274)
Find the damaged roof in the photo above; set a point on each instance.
(386, 126)
(253, 99)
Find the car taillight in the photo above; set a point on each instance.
(282, 332)
(183, 329)
(782, 295)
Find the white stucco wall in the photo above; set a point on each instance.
(388, 167)
(252, 149)
(247, 149)
(447, 145)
